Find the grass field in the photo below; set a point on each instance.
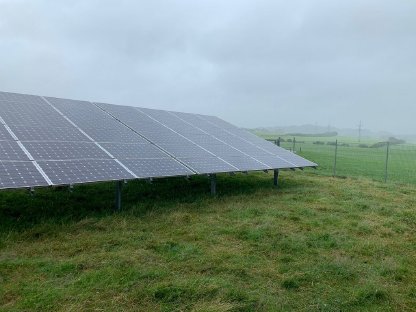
(356, 161)
(314, 244)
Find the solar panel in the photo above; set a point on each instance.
(44, 133)
(10, 150)
(150, 124)
(135, 153)
(209, 164)
(84, 171)
(18, 174)
(65, 150)
(158, 167)
(4, 134)
(254, 140)
(245, 142)
(52, 141)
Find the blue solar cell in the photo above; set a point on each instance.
(157, 168)
(134, 151)
(83, 171)
(10, 150)
(18, 174)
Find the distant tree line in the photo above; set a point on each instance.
(317, 135)
(391, 141)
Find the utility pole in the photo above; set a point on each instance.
(360, 128)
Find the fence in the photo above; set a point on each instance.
(381, 161)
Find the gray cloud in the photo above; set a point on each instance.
(254, 63)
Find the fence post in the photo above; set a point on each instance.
(387, 162)
(278, 142)
(294, 144)
(335, 159)
(119, 185)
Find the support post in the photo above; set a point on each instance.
(276, 177)
(294, 144)
(213, 179)
(386, 169)
(278, 142)
(335, 159)
(119, 185)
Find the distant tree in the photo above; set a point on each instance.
(394, 140)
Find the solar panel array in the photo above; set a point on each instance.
(51, 141)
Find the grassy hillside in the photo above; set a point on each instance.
(316, 243)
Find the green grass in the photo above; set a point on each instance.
(356, 161)
(314, 244)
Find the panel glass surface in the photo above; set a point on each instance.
(205, 144)
(65, 150)
(185, 150)
(275, 162)
(172, 142)
(31, 114)
(30, 133)
(222, 149)
(84, 114)
(233, 135)
(10, 150)
(4, 134)
(83, 171)
(18, 174)
(209, 164)
(164, 167)
(20, 98)
(134, 151)
(244, 163)
(119, 134)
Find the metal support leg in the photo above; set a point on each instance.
(213, 179)
(276, 177)
(119, 185)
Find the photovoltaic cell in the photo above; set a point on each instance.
(18, 174)
(134, 151)
(185, 150)
(65, 150)
(222, 149)
(84, 171)
(10, 150)
(159, 129)
(20, 98)
(119, 134)
(210, 164)
(275, 162)
(245, 163)
(31, 114)
(4, 134)
(165, 137)
(245, 141)
(44, 133)
(164, 167)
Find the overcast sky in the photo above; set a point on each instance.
(253, 63)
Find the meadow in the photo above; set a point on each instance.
(314, 244)
(354, 160)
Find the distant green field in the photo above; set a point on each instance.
(353, 160)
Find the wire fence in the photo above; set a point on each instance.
(382, 161)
